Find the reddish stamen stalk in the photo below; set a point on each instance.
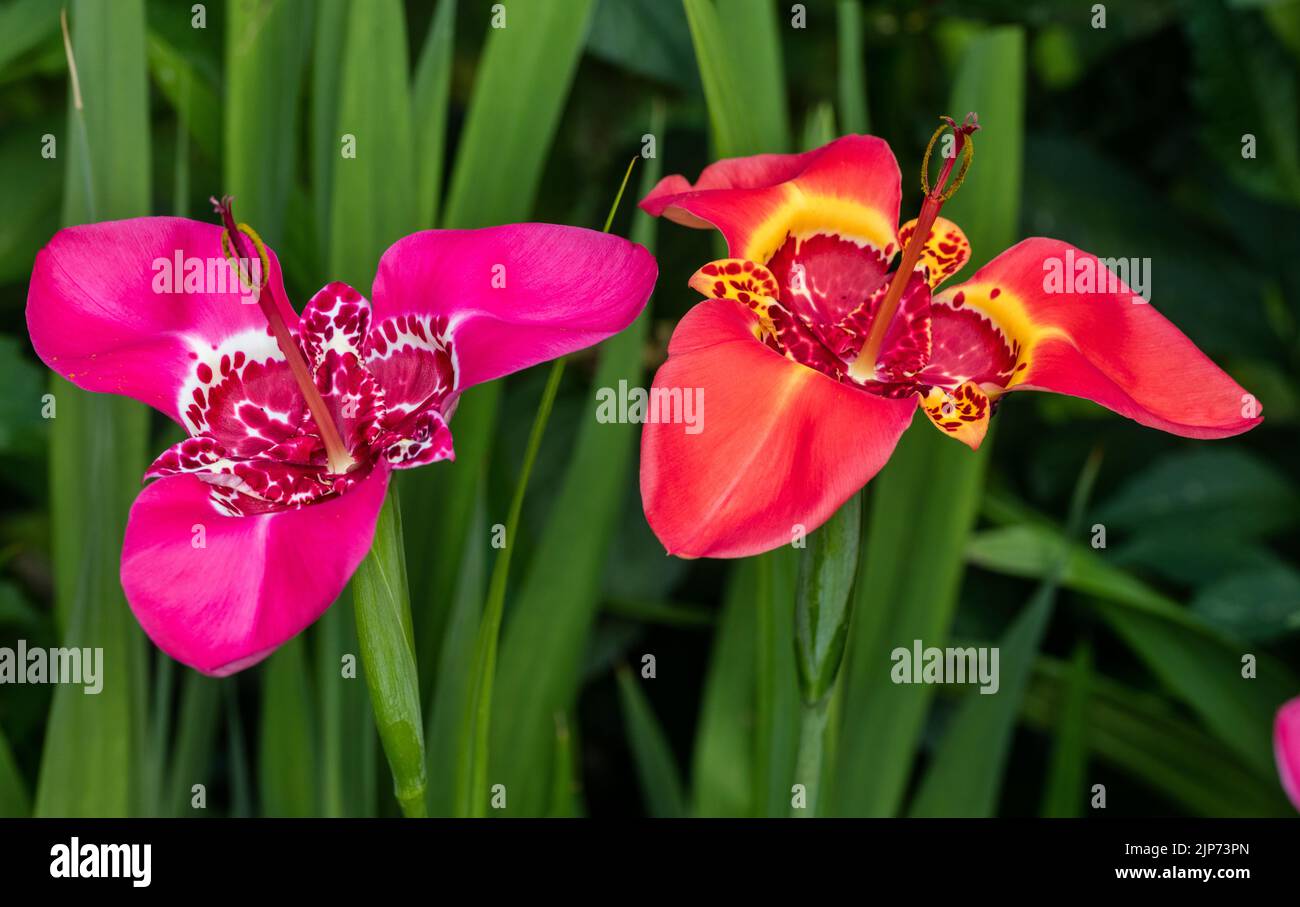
(864, 366)
(340, 461)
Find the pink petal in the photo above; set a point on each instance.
(1286, 747)
(508, 297)
(779, 445)
(102, 311)
(1098, 343)
(259, 580)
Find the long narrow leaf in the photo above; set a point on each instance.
(560, 593)
(734, 131)
(565, 801)
(1147, 740)
(450, 697)
(507, 129)
(15, 802)
(325, 141)
(852, 67)
(1197, 662)
(660, 785)
(347, 739)
(93, 751)
(965, 776)
(504, 144)
(371, 204)
(196, 732)
(777, 710)
(266, 48)
(1063, 796)
(1211, 676)
(722, 768)
(286, 763)
(430, 97)
(472, 761)
(195, 100)
(753, 30)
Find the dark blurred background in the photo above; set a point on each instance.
(1132, 147)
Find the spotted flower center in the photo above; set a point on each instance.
(285, 417)
(831, 302)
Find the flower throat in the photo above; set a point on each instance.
(239, 243)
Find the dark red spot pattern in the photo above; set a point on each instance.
(255, 443)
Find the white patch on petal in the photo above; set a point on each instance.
(256, 345)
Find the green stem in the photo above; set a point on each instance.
(823, 607)
(387, 642)
(808, 765)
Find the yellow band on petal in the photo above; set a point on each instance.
(1009, 315)
(803, 214)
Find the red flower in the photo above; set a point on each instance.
(812, 356)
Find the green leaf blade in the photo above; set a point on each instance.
(93, 761)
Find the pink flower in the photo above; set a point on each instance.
(812, 356)
(1286, 747)
(254, 523)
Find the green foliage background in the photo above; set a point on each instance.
(1121, 666)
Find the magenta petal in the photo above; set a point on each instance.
(110, 310)
(256, 582)
(1286, 746)
(512, 296)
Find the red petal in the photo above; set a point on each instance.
(849, 188)
(1101, 345)
(777, 445)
